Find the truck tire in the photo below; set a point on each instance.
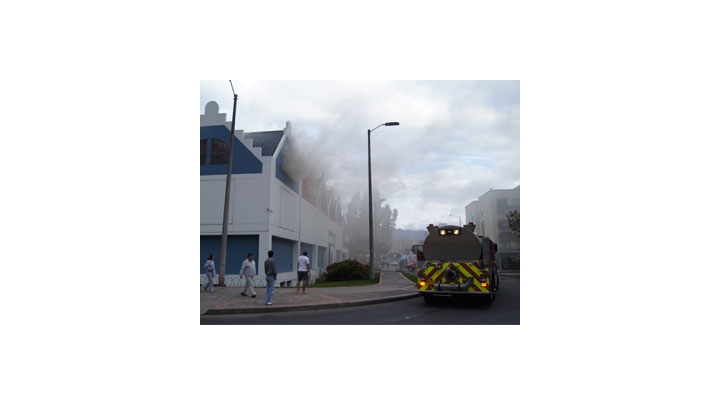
(493, 288)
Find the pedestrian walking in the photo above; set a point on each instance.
(303, 271)
(210, 273)
(270, 277)
(248, 270)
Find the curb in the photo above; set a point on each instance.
(271, 309)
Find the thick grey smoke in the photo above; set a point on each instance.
(294, 164)
(301, 159)
(456, 139)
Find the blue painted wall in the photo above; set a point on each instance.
(283, 249)
(322, 257)
(243, 160)
(238, 247)
(282, 176)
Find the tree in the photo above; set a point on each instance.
(514, 221)
(357, 226)
(384, 227)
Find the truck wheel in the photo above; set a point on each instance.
(491, 296)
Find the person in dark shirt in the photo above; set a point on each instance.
(270, 277)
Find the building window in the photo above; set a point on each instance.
(203, 151)
(220, 152)
(502, 203)
(516, 202)
(510, 261)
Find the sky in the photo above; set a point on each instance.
(456, 140)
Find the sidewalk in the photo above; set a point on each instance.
(227, 300)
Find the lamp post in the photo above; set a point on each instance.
(372, 253)
(226, 212)
(459, 219)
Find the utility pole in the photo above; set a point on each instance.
(226, 212)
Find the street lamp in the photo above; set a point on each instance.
(459, 219)
(372, 253)
(226, 212)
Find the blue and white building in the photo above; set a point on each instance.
(271, 208)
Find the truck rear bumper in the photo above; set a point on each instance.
(451, 293)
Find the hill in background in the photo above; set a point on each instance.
(409, 234)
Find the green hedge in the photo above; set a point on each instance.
(347, 271)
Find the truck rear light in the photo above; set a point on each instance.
(421, 283)
(483, 284)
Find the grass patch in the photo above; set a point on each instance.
(410, 276)
(351, 283)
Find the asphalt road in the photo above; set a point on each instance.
(504, 311)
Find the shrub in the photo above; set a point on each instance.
(348, 270)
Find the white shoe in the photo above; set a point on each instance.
(268, 303)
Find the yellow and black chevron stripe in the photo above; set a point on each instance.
(435, 273)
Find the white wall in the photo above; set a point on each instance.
(263, 205)
(249, 199)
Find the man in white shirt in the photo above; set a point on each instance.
(303, 271)
(248, 270)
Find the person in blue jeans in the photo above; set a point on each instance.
(270, 277)
(210, 273)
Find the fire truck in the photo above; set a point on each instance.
(454, 261)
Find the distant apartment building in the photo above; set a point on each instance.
(271, 207)
(488, 213)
